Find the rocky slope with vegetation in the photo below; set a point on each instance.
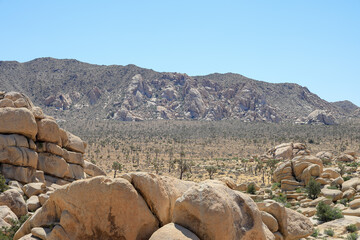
(71, 90)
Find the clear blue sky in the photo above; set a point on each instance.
(312, 43)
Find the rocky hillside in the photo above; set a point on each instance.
(70, 89)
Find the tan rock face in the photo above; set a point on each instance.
(213, 211)
(283, 171)
(19, 121)
(22, 174)
(14, 200)
(173, 231)
(19, 156)
(270, 221)
(6, 216)
(160, 193)
(333, 194)
(48, 131)
(292, 225)
(26, 133)
(74, 143)
(290, 185)
(284, 152)
(53, 165)
(93, 170)
(351, 183)
(122, 214)
(331, 173)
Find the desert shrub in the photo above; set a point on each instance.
(352, 236)
(281, 198)
(7, 233)
(3, 186)
(332, 187)
(301, 190)
(251, 189)
(326, 213)
(329, 232)
(347, 178)
(288, 205)
(313, 189)
(343, 201)
(351, 228)
(275, 186)
(315, 233)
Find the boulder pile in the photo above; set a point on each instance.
(287, 151)
(36, 156)
(148, 206)
(33, 148)
(297, 172)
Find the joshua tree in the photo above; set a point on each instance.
(211, 170)
(117, 167)
(183, 165)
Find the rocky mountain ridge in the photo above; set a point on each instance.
(70, 89)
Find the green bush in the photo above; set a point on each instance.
(343, 201)
(7, 233)
(275, 186)
(251, 189)
(281, 198)
(347, 178)
(3, 186)
(351, 228)
(315, 233)
(329, 232)
(326, 213)
(313, 189)
(352, 236)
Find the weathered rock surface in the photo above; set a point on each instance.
(270, 221)
(18, 120)
(14, 200)
(31, 189)
(160, 193)
(333, 194)
(32, 144)
(319, 117)
(173, 231)
(339, 225)
(78, 213)
(351, 183)
(292, 225)
(93, 170)
(287, 151)
(6, 216)
(33, 203)
(213, 211)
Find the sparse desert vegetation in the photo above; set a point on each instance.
(232, 146)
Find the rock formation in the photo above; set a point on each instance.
(143, 206)
(33, 148)
(287, 151)
(318, 117)
(36, 155)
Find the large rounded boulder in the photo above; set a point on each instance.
(213, 211)
(98, 208)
